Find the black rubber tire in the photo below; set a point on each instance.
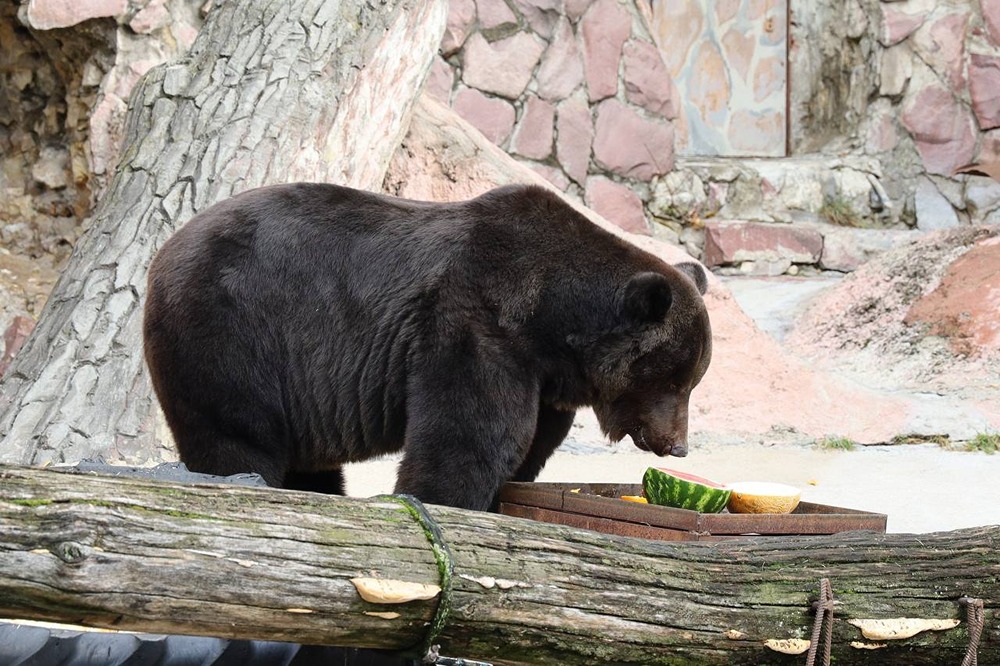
(28, 645)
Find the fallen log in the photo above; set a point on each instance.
(269, 564)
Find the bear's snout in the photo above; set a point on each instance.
(663, 448)
(660, 426)
(679, 450)
(663, 428)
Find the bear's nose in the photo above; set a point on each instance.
(679, 449)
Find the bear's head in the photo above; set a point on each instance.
(644, 370)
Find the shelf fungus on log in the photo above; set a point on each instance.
(489, 582)
(383, 615)
(388, 591)
(898, 628)
(787, 645)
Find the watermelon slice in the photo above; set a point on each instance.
(680, 490)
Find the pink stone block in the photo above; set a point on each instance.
(991, 16)
(13, 339)
(533, 135)
(461, 17)
(647, 81)
(631, 145)
(185, 34)
(846, 250)
(575, 134)
(153, 17)
(945, 49)
(561, 71)
(494, 13)
(605, 27)
(718, 195)
(552, 174)
(106, 133)
(897, 25)
(942, 129)
(49, 14)
(617, 204)
(440, 80)
(989, 151)
(491, 116)
(736, 242)
(503, 67)
(984, 86)
(574, 9)
(542, 15)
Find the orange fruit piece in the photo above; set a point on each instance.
(635, 498)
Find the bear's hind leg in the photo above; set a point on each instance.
(330, 482)
(224, 456)
(206, 448)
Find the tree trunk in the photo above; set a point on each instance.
(272, 91)
(257, 563)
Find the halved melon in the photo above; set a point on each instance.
(763, 497)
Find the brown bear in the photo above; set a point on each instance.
(294, 328)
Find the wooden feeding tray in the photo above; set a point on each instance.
(596, 506)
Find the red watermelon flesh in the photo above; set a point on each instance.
(691, 477)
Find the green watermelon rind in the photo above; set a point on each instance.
(667, 490)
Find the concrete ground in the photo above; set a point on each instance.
(775, 303)
(921, 488)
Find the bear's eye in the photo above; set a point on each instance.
(667, 362)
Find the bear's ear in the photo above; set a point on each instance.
(647, 298)
(696, 273)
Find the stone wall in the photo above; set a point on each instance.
(576, 89)
(914, 84)
(891, 96)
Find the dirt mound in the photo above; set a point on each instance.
(965, 306)
(922, 317)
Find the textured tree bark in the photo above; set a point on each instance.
(266, 564)
(272, 91)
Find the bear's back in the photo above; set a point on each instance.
(287, 245)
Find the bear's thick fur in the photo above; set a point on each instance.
(294, 328)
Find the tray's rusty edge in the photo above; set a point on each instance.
(605, 525)
(595, 501)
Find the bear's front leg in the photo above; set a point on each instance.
(470, 424)
(551, 429)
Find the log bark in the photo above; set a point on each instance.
(271, 91)
(259, 563)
